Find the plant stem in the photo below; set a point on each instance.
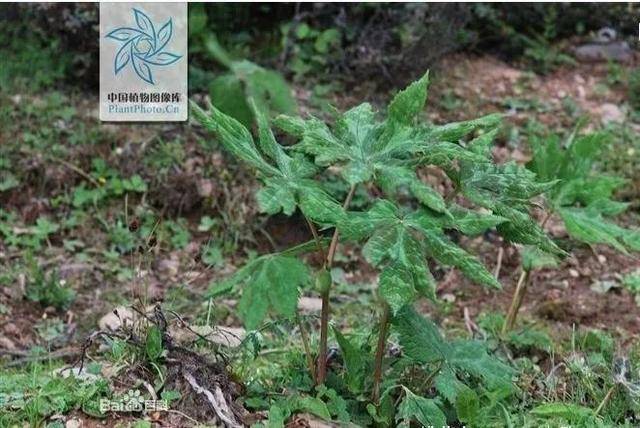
(521, 289)
(321, 374)
(516, 302)
(605, 400)
(324, 316)
(334, 239)
(307, 348)
(382, 340)
(316, 237)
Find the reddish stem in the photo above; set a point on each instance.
(324, 315)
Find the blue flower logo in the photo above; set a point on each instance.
(143, 46)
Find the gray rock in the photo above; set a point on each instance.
(611, 113)
(595, 52)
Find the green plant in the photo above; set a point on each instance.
(634, 88)
(621, 160)
(580, 196)
(47, 288)
(399, 238)
(537, 46)
(41, 392)
(616, 74)
(631, 282)
(246, 80)
(32, 61)
(105, 182)
(584, 198)
(310, 49)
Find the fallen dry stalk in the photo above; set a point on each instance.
(217, 401)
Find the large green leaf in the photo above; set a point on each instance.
(505, 190)
(392, 244)
(356, 362)
(423, 343)
(407, 104)
(422, 410)
(272, 284)
(420, 338)
(588, 225)
(267, 283)
(287, 179)
(366, 149)
(227, 94)
(400, 245)
(246, 80)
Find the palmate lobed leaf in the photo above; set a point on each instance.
(287, 184)
(400, 245)
(366, 149)
(505, 190)
(273, 285)
(268, 283)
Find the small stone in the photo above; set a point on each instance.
(73, 423)
(611, 113)
(595, 52)
(448, 297)
(226, 336)
(113, 322)
(574, 273)
(6, 343)
(168, 267)
(310, 304)
(603, 287)
(11, 329)
(205, 188)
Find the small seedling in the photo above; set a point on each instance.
(580, 196)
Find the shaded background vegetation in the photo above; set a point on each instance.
(387, 43)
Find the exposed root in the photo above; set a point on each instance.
(217, 401)
(206, 388)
